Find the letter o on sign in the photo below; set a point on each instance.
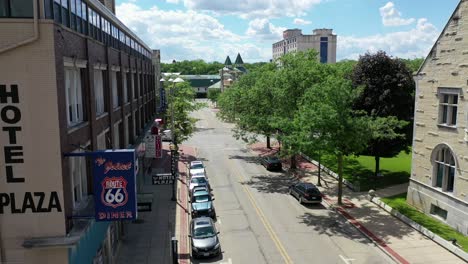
(16, 114)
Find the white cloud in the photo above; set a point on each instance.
(392, 17)
(250, 9)
(263, 29)
(299, 21)
(404, 44)
(187, 35)
(173, 1)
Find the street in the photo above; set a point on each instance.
(259, 222)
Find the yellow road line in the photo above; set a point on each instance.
(266, 224)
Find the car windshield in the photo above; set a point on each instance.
(202, 198)
(273, 159)
(196, 166)
(312, 191)
(203, 232)
(198, 180)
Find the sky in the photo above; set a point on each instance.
(213, 29)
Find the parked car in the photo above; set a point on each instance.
(202, 205)
(196, 167)
(166, 135)
(272, 163)
(306, 192)
(198, 180)
(200, 188)
(204, 238)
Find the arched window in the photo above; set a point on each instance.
(444, 168)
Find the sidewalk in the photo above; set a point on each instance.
(147, 240)
(398, 240)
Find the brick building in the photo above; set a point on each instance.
(73, 78)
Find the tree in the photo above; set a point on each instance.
(248, 104)
(387, 92)
(326, 118)
(181, 104)
(298, 72)
(213, 95)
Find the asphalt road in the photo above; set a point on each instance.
(257, 219)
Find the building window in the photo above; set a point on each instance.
(448, 104)
(79, 179)
(99, 92)
(444, 169)
(16, 8)
(74, 90)
(116, 143)
(125, 87)
(437, 211)
(115, 90)
(323, 49)
(102, 140)
(126, 131)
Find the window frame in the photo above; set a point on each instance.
(446, 113)
(9, 9)
(444, 168)
(99, 91)
(78, 172)
(74, 92)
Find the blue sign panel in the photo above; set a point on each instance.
(115, 185)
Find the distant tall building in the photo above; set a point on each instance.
(323, 41)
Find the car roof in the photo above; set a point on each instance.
(202, 221)
(308, 185)
(198, 175)
(200, 187)
(201, 193)
(196, 162)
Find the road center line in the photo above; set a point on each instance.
(264, 220)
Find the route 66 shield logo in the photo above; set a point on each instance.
(114, 191)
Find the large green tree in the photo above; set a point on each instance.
(387, 92)
(326, 119)
(181, 102)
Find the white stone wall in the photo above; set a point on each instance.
(446, 66)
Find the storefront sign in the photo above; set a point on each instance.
(150, 146)
(115, 185)
(158, 146)
(163, 178)
(18, 202)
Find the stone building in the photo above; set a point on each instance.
(231, 72)
(439, 173)
(322, 40)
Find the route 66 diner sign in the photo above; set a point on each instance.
(115, 185)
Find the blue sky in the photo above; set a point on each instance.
(212, 29)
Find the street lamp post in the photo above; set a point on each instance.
(174, 147)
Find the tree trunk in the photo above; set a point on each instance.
(319, 183)
(377, 170)
(293, 162)
(268, 142)
(340, 178)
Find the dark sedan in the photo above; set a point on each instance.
(306, 192)
(272, 163)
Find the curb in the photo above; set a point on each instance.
(363, 230)
(444, 243)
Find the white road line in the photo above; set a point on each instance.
(346, 260)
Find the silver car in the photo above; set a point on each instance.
(198, 180)
(204, 238)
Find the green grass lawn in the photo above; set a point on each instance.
(398, 203)
(361, 169)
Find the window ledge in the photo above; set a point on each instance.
(447, 126)
(76, 127)
(100, 116)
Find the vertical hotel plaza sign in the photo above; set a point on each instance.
(15, 197)
(115, 185)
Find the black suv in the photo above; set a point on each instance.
(306, 192)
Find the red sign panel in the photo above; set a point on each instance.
(158, 146)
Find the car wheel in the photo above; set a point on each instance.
(300, 199)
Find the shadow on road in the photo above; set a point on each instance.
(332, 225)
(249, 159)
(207, 260)
(278, 183)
